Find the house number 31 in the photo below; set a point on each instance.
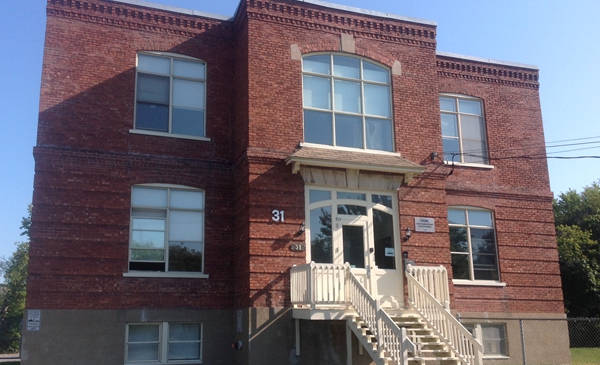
(277, 215)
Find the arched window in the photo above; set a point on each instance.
(463, 129)
(166, 230)
(347, 102)
(170, 94)
(473, 244)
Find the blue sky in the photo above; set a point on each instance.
(561, 37)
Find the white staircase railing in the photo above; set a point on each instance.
(327, 284)
(437, 315)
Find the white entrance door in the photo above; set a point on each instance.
(360, 228)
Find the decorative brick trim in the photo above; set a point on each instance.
(360, 50)
(472, 70)
(302, 16)
(136, 17)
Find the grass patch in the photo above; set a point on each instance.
(585, 356)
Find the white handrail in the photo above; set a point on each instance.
(391, 340)
(434, 279)
(316, 284)
(438, 316)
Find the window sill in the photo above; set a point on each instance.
(496, 357)
(155, 274)
(478, 282)
(474, 165)
(339, 148)
(171, 135)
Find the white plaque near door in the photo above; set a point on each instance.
(424, 224)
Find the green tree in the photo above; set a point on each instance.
(577, 219)
(12, 302)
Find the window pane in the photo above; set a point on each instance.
(184, 351)
(188, 93)
(148, 213)
(472, 127)
(347, 96)
(153, 88)
(161, 65)
(379, 134)
(346, 66)
(449, 125)
(372, 72)
(353, 196)
(142, 351)
(149, 224)
(148, 255)
(474, 151)
(451, 150)
(383, 234)
(318, 127)
(483, 241)
(494, 339)
(153, 117)
(382, 199)
(349, 209)
(317, 64)
(480, 218)
(348, 131)
(148, 239)
(469, 106)
(460, 266)
(317, 92)
(188, 69)
(185, 226)
(185, 256)
(188, 121)
(458, 240)
(147, 197)
(377, 100)
(448, 104)
(184, 332)
(143, 333)
(456, 216)
(354, 250)
(320, 235)
(186, 199)
(318, 195)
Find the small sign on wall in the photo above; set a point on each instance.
(424, 224)
(34, 319)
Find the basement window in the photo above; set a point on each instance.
(164, 342)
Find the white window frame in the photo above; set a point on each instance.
(166, 272)
(171, 57)
(459, 158)
(469, 253)
(477, 332)
(363, 115)
(163, 344)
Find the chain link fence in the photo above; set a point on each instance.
(538, 341)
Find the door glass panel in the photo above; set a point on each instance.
(382, 199)
(383, 233)
(354, 250)
(353, 196)
(320, 236)
(348, 209)
(319, 195)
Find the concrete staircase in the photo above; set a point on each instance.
(424, 347)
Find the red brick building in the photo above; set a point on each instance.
(190, 167)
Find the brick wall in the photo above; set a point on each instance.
(86, 159)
